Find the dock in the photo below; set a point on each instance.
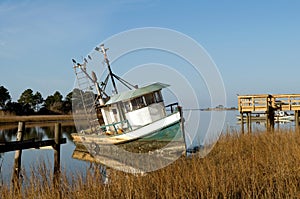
(268, 104)
(19, 145)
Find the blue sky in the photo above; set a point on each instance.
(255, 44)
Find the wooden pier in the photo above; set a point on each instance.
(21, 144)
(268, 104)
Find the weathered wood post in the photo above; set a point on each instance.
(248, 120)
(270, 113)
(270, 119)
(278, 123)
(242, 122)
(241, 112)
(18, 154)
(249, 123)
(182, 128)
(56, 147)
(297, 120)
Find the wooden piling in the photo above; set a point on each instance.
(56, 147)
(270, 120)
(182, 128)
(278, 122)
(270, 114)
(20, 145)
(18, 154)
(249, 123)
(297, 119)
(242, 122)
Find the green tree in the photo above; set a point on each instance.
(32, 101)
(57, 96)
(4, 96)
(37, 101)
(77, 104)
(67, 103)
(14, 107)
(27, 101)
(69, 96)
(19, 108)
(76, 97)
(73, 101)
(27, 97)
(54, 102)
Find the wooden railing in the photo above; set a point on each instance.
(116, 130)
(262, 103)
(287, 102)
(173, 106)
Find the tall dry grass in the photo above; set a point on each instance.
(260, 165)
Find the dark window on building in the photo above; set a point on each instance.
(127, 106)
(137, 103)
(149, 98)
(114, 111)
(158, 97)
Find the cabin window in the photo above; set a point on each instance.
(127, 106)
(137, 103)
(114, 111)
(158, 97)
(149, 98)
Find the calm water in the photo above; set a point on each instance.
(31, 157)
(69, 165)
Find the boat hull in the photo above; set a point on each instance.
(166, 129)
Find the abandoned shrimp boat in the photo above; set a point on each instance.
(135, 114)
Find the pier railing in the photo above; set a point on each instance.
(250, 103)
(266, 103)
(287, 102)
(262, 103)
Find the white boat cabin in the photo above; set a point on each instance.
(134, 108)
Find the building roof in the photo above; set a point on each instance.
(127, 95)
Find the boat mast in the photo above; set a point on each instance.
(112, 76)
(103, 50)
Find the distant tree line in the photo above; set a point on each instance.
(30, 103)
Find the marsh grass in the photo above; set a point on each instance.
(258, 165)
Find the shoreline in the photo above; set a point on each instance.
(35, 118)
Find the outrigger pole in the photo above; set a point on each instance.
(101, 89)
(92, 78)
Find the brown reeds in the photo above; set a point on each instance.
(259, 165)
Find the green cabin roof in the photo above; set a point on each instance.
(127, 95)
